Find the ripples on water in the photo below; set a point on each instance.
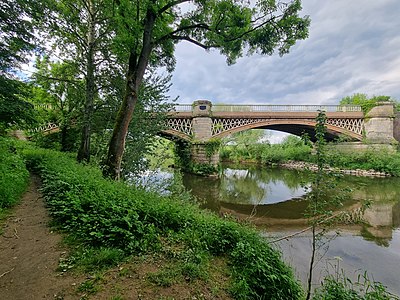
(273, 199)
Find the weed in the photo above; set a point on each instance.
(88, 286)
(164, 278)
(342, 288)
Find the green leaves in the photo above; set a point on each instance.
(366, 103)
(13, 173)
(113, 220)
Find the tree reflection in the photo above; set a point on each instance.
(274, 197)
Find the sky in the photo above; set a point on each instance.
(353, 47)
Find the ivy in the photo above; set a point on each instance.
(212, 147)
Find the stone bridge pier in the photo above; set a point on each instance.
(379, 124)
(201, 152)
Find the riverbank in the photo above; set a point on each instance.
(110, 222)
(132, 243)
(301, 165)
(296, 155)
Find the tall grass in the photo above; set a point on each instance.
(340, 287)
(13, 173)
(101, 213)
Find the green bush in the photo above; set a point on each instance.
(291, 150)
(105, 214)
(379, 161)
(13, 173)
(266, 153)
(342, 288)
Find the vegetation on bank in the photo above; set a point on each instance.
(109, 221)
(103, 214)
(13, 174)
(294, 149)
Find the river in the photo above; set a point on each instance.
(273, 200)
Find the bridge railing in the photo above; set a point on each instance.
(285, 108)
(183, 107)
(273, 108)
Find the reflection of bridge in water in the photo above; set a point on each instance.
(375, 222)
(270, 199)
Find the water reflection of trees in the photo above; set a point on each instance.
(242, 190)
(376, 189)
(253, 185)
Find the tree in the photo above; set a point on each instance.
(148, 120)
(148, 31)
(364, 101)
(14, 109)
(82, 31)
(17, 19)
(59, 84)
(16, 26)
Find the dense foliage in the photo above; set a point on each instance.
(15, 111)
(366, 103)
(292, 148)
(17, 18)
(102, 213)
(382, 161)
(13, 174)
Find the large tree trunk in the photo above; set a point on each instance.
(84, 149)
(136, 70)
(116, 147)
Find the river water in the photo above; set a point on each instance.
(273, 200)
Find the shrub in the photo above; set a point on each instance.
(105, 214)
(342, 288)
(13, 173)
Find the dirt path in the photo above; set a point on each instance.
(30, 252)
(29, 256)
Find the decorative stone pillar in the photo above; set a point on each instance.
(379, 124)
(202, 133)
(202, 122)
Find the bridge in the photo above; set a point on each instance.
(201, 122)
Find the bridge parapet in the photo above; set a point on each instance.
(270, 108)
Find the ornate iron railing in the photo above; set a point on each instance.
(183, 107)
(46, 127)
(273, 108)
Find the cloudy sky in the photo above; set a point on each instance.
(353, 47)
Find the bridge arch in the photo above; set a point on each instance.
(296, 127)
(172, 135)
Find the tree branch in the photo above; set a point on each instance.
(169, 5)
(75, 82)
(172, 33)
(271, 20)
(197, 43)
